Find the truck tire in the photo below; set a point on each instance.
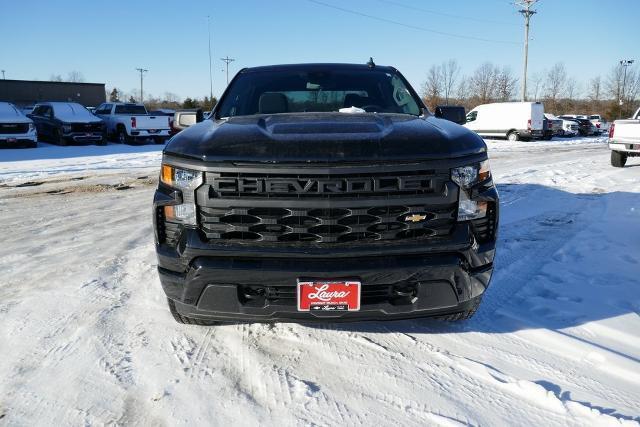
(58, 139)
(463, 315)
(122, 136)
(188, 320)
(513, 136)
(618, 159)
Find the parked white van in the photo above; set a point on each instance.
(511, 120)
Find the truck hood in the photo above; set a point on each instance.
(15, 120)
(326, 138)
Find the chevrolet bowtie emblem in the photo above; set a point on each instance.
(415, 218)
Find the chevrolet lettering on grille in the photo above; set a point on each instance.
(321, 186)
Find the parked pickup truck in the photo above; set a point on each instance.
(624, 139)
(358, 204)
(128, 123)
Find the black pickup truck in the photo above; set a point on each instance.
(324, 192)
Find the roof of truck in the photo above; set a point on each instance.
(317, 66)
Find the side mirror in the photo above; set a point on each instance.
(199, 115)
(439, 114)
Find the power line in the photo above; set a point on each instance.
(527, 12)
(435, 12)
(413, 27)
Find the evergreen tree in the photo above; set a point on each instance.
(114, 96)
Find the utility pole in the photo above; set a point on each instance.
(624, 64)
(142, 71)
(210, 74)
(527, 12)
(227, 60)
(3, 75)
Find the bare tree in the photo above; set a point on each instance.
(572, 89)
(535, 86)
(55, 78)
(555, 83)
(623, 89)
(505, 84)
(171, 98)
(432, 88)
(462, 91)
(483, 83)
(595, 89)
(450, 71)
(75, 77)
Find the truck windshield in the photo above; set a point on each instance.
(295, 91)
(131, 109)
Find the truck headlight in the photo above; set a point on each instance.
(187, 181)
(32, 128)
(466, 177)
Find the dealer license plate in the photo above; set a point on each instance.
(328, 295)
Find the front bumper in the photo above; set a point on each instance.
(84, 137)
(212, 283)
(11, 140)
(225, 289)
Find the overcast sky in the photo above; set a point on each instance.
(107, 41)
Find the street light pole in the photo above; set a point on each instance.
(527, 12)
(142, 71)
(227, 60)
(3, 75)
(624, 63)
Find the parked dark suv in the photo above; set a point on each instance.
(324, 192)
(65, 123)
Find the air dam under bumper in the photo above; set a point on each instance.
(393, 287)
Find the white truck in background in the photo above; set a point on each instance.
(130, 122)
(512, 120)
(624, 139)
(599, 122)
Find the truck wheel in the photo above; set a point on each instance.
(618, 159)
(58, 139)
(123, 138)
(463, 315)
(513, 136)
(188, 320)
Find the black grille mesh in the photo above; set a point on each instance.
(335, 225)
(14, 128)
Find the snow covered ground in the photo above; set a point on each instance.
(86, 337)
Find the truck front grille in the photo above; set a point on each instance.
(333, 225)
(86, 127)
(329, 208)
(13, 128)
